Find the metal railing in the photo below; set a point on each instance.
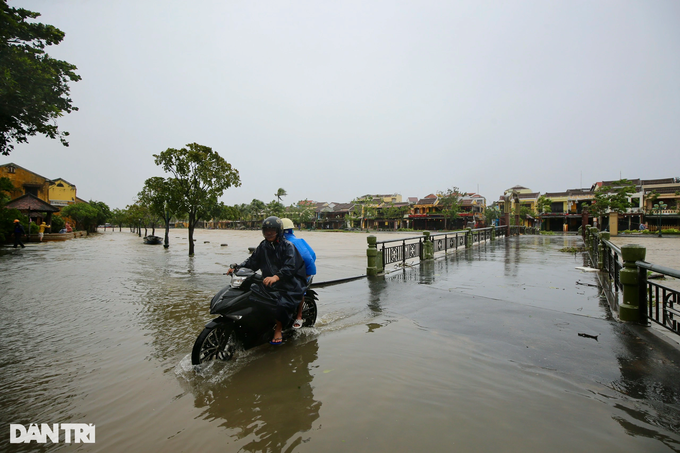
(611, 261)
(446, 241)
(660, 302)
(410, 248)
(656, 302)
(407, 249)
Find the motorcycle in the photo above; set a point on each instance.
(246, 318)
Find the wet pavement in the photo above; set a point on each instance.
(664, 251)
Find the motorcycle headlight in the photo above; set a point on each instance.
(237, 281)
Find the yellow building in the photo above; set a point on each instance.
(379, 199)
(516, 198)
(26, 182)
(62, 193)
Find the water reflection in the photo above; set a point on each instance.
(375, 286)
(266, 406)
(649, 376)
(427, 272)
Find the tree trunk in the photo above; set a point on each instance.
(192, 224)
(167, 233)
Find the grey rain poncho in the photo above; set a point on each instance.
(281, 258)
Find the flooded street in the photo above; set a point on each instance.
(478, 351)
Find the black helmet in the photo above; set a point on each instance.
(275, 223)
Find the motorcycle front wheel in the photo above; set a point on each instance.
(308, 312)
(214, 343)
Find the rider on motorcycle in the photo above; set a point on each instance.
(283, 270)
(308, 256)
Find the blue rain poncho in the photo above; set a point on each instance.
(305, 250)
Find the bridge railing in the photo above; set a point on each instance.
(383, 253)
(660, 302)
(643, 300)
(400, 250)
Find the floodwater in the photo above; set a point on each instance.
(478, 351)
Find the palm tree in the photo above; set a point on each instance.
(280, 193)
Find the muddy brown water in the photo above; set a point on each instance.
(475, 352)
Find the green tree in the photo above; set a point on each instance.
(84, 214)
(135, 215)
(491, 213)
(118, 217)
(34, 89)
(7, 216)
(614, 198)
(302, 212)
(200, 177)
(103, 212)
(450, 204)
(162, 198)
(280, 193)
(57, 223)
(391, 212)
(257, 209)
(274, 208)
(543, 205)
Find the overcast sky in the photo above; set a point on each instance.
(332, 100)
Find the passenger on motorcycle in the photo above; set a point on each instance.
(283, 270)
(308, 256)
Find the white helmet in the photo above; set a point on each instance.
(287, 224)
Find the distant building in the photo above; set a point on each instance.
(36, 196)
(26, 182)
(62, 193)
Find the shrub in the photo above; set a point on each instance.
(57, 224)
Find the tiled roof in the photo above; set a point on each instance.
(427, 200)
(29, 202)
(25, 169)
(649, 182)
(529, 195)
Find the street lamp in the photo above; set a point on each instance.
(659, 207)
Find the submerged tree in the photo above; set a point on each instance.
(162, 199)
(201, 176)
(88, 215)
(34, 89)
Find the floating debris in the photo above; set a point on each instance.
(585, 335)
(224, 245)
(585, 284)
(587, 269)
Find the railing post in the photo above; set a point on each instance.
(644, 304)
(629, 310)
(468, 238)
(428, 246)
(604, 236)
(591, 239)
(375, 266)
